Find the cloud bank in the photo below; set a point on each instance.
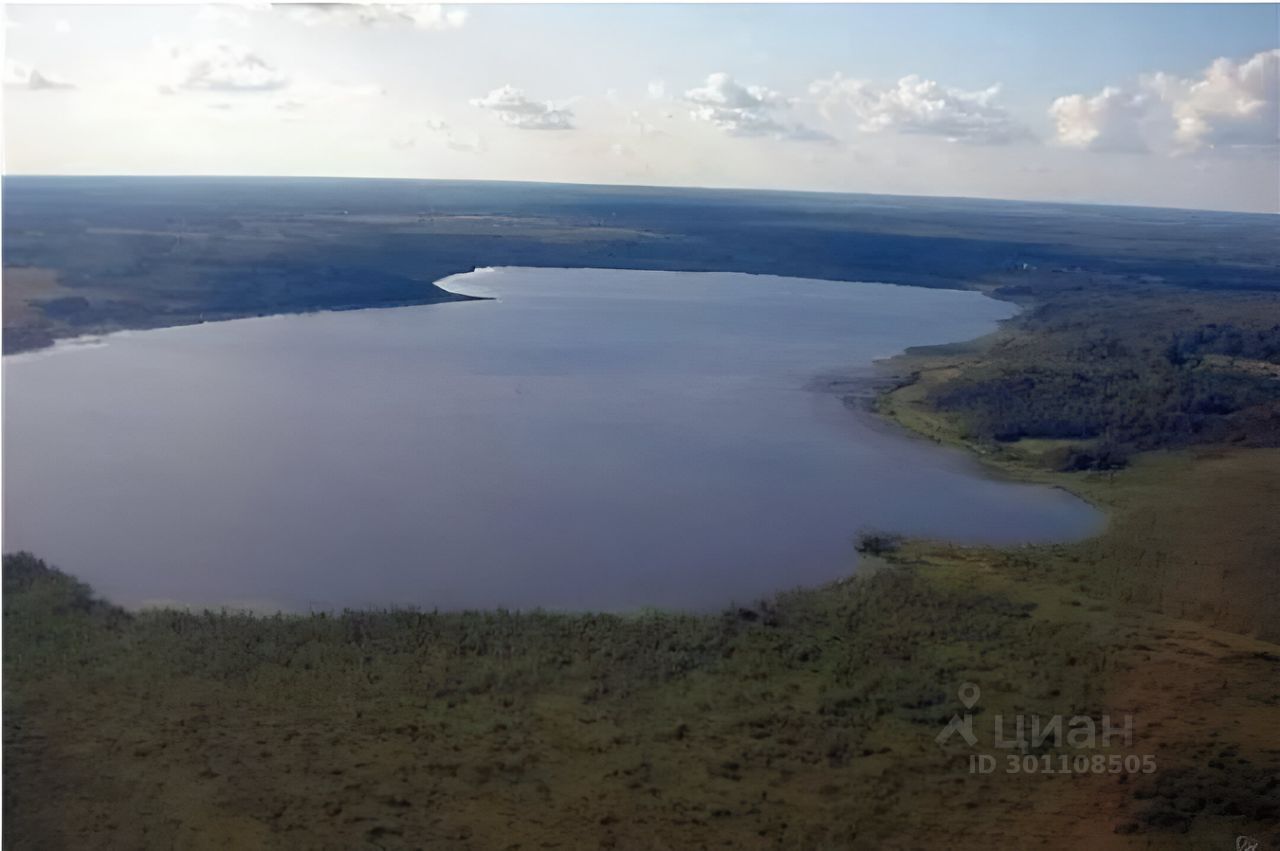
(919, 106)
(1230, 105)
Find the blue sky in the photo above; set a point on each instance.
(1107, 103)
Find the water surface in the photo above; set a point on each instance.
(589, 439)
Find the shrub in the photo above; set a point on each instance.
(875, 543)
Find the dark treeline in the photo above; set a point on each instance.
(1228, 339)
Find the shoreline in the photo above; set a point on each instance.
(880, 407)
(91, 339)
(32, 339)
(869, 393)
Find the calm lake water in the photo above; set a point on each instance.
(590, 439)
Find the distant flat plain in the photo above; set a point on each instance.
(93, 254)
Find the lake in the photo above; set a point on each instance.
(588, 439)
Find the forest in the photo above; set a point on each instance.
(1107, 369)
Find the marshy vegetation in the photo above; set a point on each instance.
(761, 725)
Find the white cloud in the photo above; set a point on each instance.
(424, 16)
(218, 66)
(920, 106)
(1111, 120)
(236, 82)
(745, 110)
(515, 109)
(19, 75)
(657, 89)
(1230, 104)
(738, 110)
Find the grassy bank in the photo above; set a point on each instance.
(805, 722)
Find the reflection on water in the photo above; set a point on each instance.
(589, 439)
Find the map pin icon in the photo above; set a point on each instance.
(969, 694)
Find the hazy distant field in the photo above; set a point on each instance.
(88, 254)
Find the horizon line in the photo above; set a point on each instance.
(668, 187)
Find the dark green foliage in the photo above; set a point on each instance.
(24, 573)
(1123, 371)
(1071, 459)
(1230, 340)
(877, 543)
(1137, 405)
